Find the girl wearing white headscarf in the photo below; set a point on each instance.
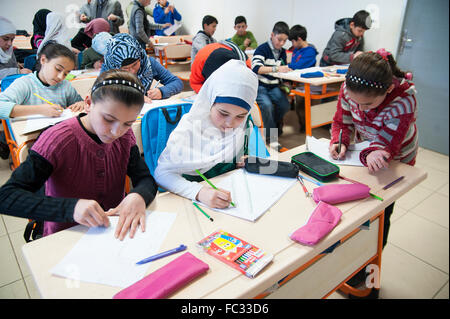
(8, 63)
(56, 31)
(212, 137)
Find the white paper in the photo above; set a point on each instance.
(98, 257)
(351, 156)
(38, 122)
(172, 28)
(253, 194)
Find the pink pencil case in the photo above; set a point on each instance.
(166, 280)
(323, 219)
(340, 193)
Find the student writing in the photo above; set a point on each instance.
(83, 163)
(211, 137)
(55, 61)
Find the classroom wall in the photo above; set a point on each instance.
(317, 16)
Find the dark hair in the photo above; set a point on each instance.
(362, 19)
(53, 50)
(240, 19)
(297, 31)
(371, 74)
(131, 93)
(281, 28)
(208, 20)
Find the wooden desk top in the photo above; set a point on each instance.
(270, 232)
(295, 76)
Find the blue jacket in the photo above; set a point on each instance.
(160, 17)
(304, 58)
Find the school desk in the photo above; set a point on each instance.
(19, 126)
(320, 114)
(297, 271)
(22, 42)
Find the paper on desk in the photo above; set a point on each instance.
(351, 156)
(38, 122)
(253, 194)
(98, 257)
(174, 27)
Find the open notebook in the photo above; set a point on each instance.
(253, 194)
(351, 156)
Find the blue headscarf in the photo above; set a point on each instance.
(123, 46)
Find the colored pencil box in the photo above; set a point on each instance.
(270, 167)
(317, 74)
(166, 280)
(340, 193)
(322, 221)
(316, 166)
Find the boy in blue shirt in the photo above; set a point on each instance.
(165, 13)
(270, 57)
(304, 55)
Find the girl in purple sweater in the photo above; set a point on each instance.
(83, 163)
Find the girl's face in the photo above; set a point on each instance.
(227, 116)
(55, 70)
(367, 102)
(109, 119)
(133, 67)
(6, 41)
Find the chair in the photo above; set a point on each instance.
(14, 148)
(83, 86)
(30, 62)
(177, 58)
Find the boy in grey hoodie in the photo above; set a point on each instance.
(205, 36)
(347, 40)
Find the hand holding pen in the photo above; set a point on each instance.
(50, 109)
(155, 93)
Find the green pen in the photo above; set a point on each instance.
(375, 196)
(211, 184)
(203, 212)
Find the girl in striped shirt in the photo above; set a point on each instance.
(377, 102)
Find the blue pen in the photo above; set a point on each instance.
(311, 180)
(161, 255)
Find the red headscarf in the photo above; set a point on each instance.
(96, 26)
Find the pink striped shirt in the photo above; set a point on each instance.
(390, 127)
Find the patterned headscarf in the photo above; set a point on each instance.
(123, 46)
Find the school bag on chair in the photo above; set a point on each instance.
(156, 126)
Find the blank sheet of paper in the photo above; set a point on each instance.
(98, 257)
(38, 122)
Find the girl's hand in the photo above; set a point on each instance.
(89, 213)
(333, 151)
(50, 110)
(131, 213)
(377, 160)
(214, 198)
(25, 71)
(98, 64)
(154, 94)
(241, 163)
(77, 107)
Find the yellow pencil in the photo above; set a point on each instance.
(45, 100)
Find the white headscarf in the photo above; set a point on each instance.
(196, 143)
(56, 31)
(6, 27)
(99, 42)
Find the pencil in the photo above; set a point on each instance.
(210, 184)
(393, 183)
(303, 186)
(45, 100)
(203, 212)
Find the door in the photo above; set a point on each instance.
(424, 50)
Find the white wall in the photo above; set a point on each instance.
(317, 16)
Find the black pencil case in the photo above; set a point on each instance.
(316, 166)
(264, 166)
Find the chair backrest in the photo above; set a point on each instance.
(168, 39)
(179, 51)
(30, 62)
(7, 80)
(156, 126)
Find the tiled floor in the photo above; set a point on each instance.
(415, 262)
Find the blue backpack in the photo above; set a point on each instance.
(156, 126)
(7, 80)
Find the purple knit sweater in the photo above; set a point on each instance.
(82, 168)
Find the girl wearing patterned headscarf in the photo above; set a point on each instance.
(124, 52)
(211, 137)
